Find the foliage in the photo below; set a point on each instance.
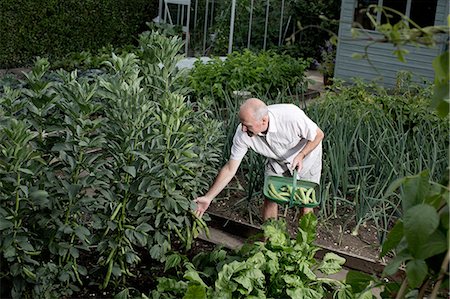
(302, 44)
(96, 169)
(374, 136)
(264, 74)
(55, 28)
(419, 239)
(221, 26)
(328, 59)
(278, 268)
(406, 31)
(313, 28)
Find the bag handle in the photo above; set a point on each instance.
(294, 186)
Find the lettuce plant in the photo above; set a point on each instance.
(280, 267)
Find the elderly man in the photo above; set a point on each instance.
(282, 133)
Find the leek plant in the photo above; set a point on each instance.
(370, 142)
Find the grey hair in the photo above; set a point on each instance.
(255, 107)
(260, 112)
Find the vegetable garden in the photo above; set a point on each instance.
(99, 166)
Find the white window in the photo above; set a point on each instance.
(422, 12)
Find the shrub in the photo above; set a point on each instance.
(95, 170)
(263, 74)
(55, 28)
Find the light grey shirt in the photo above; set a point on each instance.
(288, 132)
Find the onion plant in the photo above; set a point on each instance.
(371, 141)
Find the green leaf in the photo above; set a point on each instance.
(393, 238)
(25, 170)
(441, 66)
(393, 266)
(169, 284)
(73, 190)
(172, 260)
(303, 293)
(366, 295)
(358, 280)
(331, 263)
(308, 224)
(394, 186)
(9, 252)
(144, 227)
(74, 252)
(445, 218)
(292, 281)
(124, 294)
(4, 224)
(346, 293)
(415, 189)
(304, 267)
(39, 195)
(419, 222)
(416, 271)
(140, 238)
(440, 98)
(82, 232)
(195, 291)
(131, 170)
(436, 244)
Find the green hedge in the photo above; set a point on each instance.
(54, 28)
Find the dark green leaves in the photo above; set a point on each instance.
(441, 99)
(419, 237)
(419, 223)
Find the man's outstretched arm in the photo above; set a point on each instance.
(223, 178)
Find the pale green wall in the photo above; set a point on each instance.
(418, 61)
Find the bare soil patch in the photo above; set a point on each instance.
(335, 233)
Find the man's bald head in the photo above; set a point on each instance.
(254, 116)
(254, 108)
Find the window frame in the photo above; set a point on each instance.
(407, 13)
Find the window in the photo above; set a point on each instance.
(421, 12)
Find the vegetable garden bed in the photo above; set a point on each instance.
(99, 168)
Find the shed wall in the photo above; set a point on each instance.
(382, 65)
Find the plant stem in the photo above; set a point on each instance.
(444, 269)
(401, 292)
(423, 289)
(16, 211)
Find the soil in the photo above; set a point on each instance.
(334, 233)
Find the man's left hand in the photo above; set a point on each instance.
(298, 162)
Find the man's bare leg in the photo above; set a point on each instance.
(270, 210)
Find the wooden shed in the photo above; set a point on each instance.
(418, 61)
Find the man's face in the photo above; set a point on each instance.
(252, 126)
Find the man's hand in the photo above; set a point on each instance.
(202, 205)
(298, 162)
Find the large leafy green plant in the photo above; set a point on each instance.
(265, 74)
(419, 239)
(278, 268)
(94, 170)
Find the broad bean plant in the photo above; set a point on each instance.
(97, 167)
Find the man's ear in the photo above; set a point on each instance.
(265, 119)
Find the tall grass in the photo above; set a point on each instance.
(369, 143)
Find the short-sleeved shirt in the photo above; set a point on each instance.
(289, 131)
